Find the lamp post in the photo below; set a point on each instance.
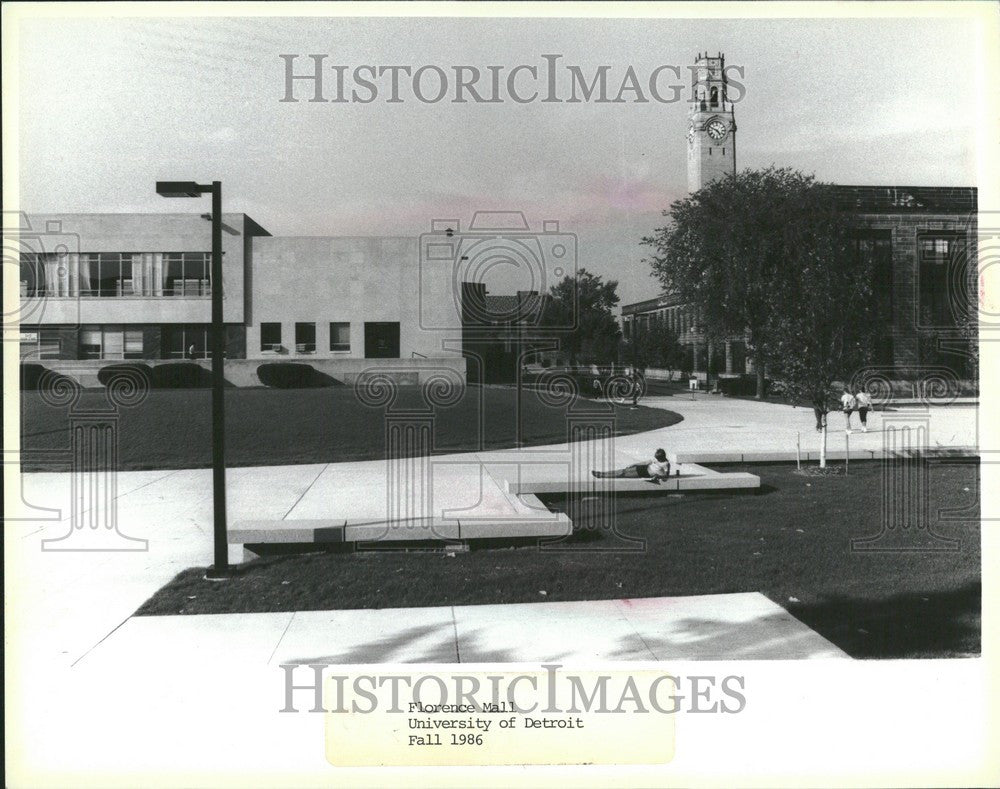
(220, 569)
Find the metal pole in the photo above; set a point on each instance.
(221, 567)
(798, 451)
(847, 458)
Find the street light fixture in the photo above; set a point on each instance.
(220, 569)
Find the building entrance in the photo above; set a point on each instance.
(382, 340)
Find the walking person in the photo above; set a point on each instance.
(638, 387)
(864, 403)
(848, 404)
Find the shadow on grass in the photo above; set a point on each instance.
(912, 625)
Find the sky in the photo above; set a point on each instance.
(109, 106)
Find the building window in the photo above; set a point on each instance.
(116, 274)
(49, 274)
(110, 342)
(270, 337)
(32, 275)
(340, 336)
(939, 257)
(305, 338)
(187, 273)
(106, 275)
(133, 344)
(91, 343)
(188, 341)
(38, 343)
(715, 96)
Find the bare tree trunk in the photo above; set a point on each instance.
(760, 379)
(822, 446)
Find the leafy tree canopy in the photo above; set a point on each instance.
(579, 311)
(766, 254)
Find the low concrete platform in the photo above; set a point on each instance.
(347, 530)
(686, 476)
(733, 481)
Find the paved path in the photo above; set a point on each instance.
(166, 684)
(72, 599)
(709, 627)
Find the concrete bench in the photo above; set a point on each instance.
(680, 484)
(367, 530)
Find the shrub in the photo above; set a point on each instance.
(136, 371)
(745, 385)
(180, 375)
(36, 377)
(293, 375)
(30, 375)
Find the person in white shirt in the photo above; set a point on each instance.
(655, 470)
(864, 402)
(848, 404)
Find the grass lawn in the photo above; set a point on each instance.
(791, 542)
(171, 428)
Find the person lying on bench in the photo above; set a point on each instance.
(654, 471)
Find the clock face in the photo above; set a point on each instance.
(717, 130)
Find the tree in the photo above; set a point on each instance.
(578, 312)
(826, 327)
(655, 346)
(725, 252)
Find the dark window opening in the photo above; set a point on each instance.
(382, 340)
(188, 341)
(270, 337)
(340, 336)
(305, 338)
(943, 274)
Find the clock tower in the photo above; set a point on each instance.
(711, 126)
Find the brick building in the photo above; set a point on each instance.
(922, 240)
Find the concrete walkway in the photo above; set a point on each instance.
(71, 598)
(708, 627)
(169, 689)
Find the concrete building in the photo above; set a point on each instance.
(104, 288)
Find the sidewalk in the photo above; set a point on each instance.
(175, 685)
(706, 627)
(72, 599)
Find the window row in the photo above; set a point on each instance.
(110, 341)
(116, 274)
(305, 337)
(679, 319)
